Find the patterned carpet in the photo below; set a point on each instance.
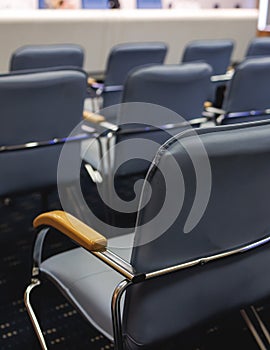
(64, 327)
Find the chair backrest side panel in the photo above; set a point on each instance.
(36, 107)
(45, 56)
(236, 215)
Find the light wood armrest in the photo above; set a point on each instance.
(75, 229)
(92, 117)
(215, 110)
(91, 81)
(208, 104)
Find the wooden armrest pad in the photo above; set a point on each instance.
(75, 229)
(91, 81)
(92, 117)
(208, 104)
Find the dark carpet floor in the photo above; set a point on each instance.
(64, 328)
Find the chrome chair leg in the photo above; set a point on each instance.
(261, 324)
(253, 330)
(34, 283)
(116, 313)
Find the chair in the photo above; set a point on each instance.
(95, 4)
(258, 47)
(149, 4)
(45, 56)
(122, 59)
(178, 93)
(247, 97)
(158, 101)
(39, 110)
(217, 53)
(176, 272)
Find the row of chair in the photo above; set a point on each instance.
(181, 88)
(150, 288)
(123, 58)
(215, 52)
(62, 93)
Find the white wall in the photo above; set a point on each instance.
(14, 4)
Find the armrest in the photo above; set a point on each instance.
(92, 117)
(82, 234)
(91, 81)
(215, 110)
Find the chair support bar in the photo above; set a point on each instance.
(221, 77)
(34, 283)
(118, 264)
(253, 330)
(99, 248)
(204, 260)
(116, 313)
(38, 144)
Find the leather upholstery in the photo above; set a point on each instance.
(258, 47)
(236, 215)
(37, 107)
(248, 89)
(217, 53)
(44, 56)
(123, 58)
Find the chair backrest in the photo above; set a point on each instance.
(158, 95)
(180, 88)
(45, 56)
(258, 47)
(37, 107)
(123, 58)
(95, 4)
(149, 4)
(248, 89)
(217, 53)
(237, 214)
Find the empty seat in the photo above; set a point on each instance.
(39, 110)
(258, 47)
(217, 53)
(193, 256)
(45, 56)
(149, 4)
(95, 4)
(247, 96)
(122, 59)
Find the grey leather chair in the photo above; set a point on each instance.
(247, 97)
(45, 56)
(258, 47)
(149, 4)
(122, 59)
(39, 110)
(217, 53)
(178, 93)
(143, 289)
(95, 4)
(180, 88)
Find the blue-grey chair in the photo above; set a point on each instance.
(181, 89)
(46, 56)
(149, 4)
(163, 97)
(258, 47)
(217, 53)
(144, 289)
(95, 4)
(122, 59)
(247, 95)
(39, 110)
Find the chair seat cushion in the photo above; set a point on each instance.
(88, 282)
